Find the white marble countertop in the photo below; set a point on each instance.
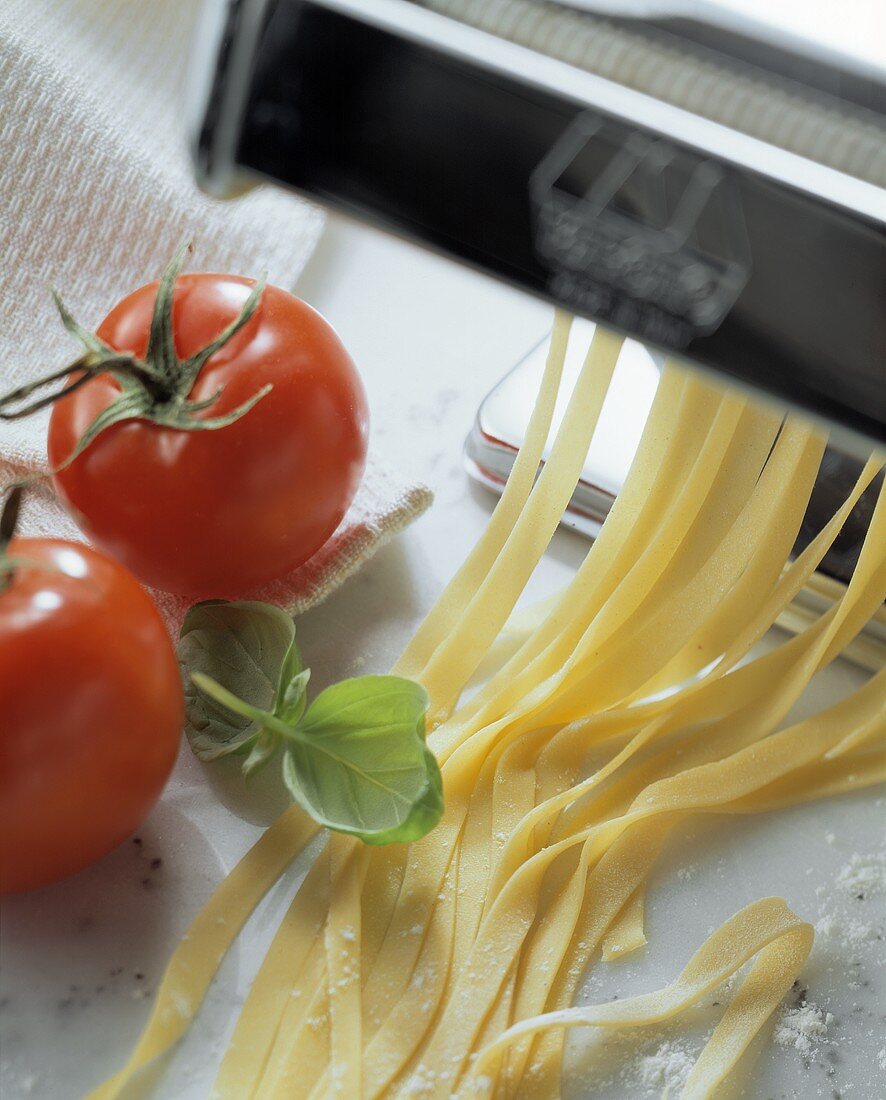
(81, 959)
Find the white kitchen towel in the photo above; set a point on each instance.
(95, 192)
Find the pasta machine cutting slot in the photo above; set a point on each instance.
(711, 188)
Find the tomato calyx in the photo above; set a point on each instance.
(154, 388)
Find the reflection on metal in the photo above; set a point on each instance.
(500, 426)
(639, 233)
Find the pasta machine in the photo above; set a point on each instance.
(711, 190)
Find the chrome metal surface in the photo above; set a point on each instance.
(683, 232)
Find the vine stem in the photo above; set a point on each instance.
(268, 721)
(8, 522)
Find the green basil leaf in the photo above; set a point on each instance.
(247, 647)
(360, 764)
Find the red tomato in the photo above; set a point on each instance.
(215, 513)
(90, 710)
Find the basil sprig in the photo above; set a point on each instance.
(355, 759)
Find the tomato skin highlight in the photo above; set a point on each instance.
(218, 513)
(91, 711)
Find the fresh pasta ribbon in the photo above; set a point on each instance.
(587, 912)
(766, 929)
(627, 931)
(680, 419)
(343, 954)
(457, 656)
(448, 608)
(504, 932)
(272, 988)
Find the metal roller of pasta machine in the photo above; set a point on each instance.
(712, 190)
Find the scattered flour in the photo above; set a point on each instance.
(864, 874)
(842, 906)
(857, 932)
(848, 931)
(421, 1083)
(666, 1068)
(803, 1027)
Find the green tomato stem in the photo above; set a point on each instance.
(220, 694)
(8, 522)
